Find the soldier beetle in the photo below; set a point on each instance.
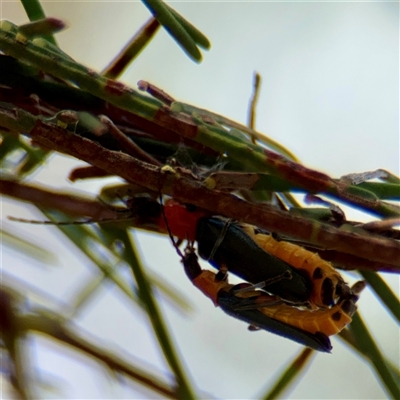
(256, 256)
(270, 313)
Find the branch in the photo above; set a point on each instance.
(185, 188)
(65, 202)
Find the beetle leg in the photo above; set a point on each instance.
(220, 239)
(264, 284)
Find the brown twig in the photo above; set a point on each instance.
(132, 49)
(81, 207)
(52, 325)
(65, 202)
(87, 172)
(251, 119)
(127, 144)
(188, 190)
(349, 262)
(156, 92)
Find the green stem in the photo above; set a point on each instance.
(63, 68)
(159, 326)
(34, 11)
(368, 346)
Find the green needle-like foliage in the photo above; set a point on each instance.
(163, 147)
(35, 12)
(383, 291)
(284, 382)
(368, 346)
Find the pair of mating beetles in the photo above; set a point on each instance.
(290, 291)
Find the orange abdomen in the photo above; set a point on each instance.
(328, 285)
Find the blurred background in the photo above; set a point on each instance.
(330, 93)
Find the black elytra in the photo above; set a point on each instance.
(247, 260)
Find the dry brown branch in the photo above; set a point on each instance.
(187, 189)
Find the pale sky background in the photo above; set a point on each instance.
(330, 93)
